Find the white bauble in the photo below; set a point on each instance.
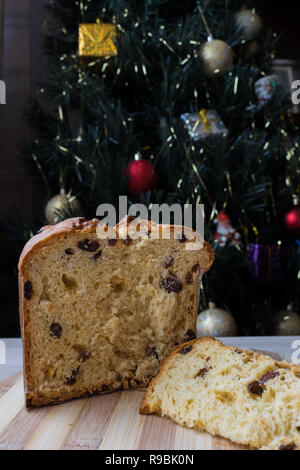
(215, 322)
(249, 22)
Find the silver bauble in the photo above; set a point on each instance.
(215, 322)
(287, 323)
(217, 57)
(249, 22)
(61, 207)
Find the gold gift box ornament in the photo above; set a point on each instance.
(97, 40)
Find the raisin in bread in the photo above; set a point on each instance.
(246, 397)
(99, 314)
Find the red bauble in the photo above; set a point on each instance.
(142, 176)
(292, 221)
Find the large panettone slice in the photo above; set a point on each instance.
(99, 314)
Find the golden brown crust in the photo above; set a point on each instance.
(33, 400)
(144, 406)
(51, 231)
(84, 227)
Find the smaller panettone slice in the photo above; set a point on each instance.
(98, 314)
(243, 396)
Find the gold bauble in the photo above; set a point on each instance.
(61, 207)
(249, 22)
(215, 322)
(287, 323)
(217, 57)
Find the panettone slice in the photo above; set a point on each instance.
(241, 395)
(99, 314)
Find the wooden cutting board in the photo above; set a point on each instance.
(107, 422)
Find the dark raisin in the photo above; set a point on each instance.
(182, 238)
(291, 446)
(154, 353)
(208, 359)
(202, 373)
(28, 290)
(127, 241)
(189, 334)
(97, 255)
(72, 379)
(255, 388)
(189, 278)
(88, 245)
(171, 284)
(186, 350)
(112, 241)
(298, 428)
(84, 356)
(69, 251)
(55, 330)
(169, 262)
(238, 351)
(268, 376)
(195, 268)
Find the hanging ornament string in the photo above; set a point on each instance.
(42, 173)
(210, 36)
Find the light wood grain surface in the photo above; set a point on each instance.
(277, 344)
(106, 422)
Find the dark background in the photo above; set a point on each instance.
(21, 67)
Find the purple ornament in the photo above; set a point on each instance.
(265, 263)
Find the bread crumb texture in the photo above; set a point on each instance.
(99, 315)
(246, 397)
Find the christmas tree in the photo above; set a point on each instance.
(168, 101)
